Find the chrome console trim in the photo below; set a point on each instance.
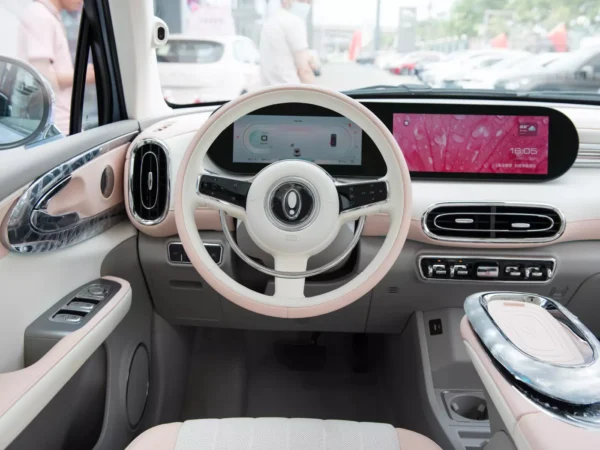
(572, 384)
(432, 235)
(134, 150)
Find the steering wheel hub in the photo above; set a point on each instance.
(292, 208)
(292, 204)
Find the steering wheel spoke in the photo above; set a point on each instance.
(224, 193)
(361, 199)
(290, 287)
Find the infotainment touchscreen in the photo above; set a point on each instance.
(483, 144)
(323, 140)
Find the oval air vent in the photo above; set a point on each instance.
(493, 222)
(149, 182)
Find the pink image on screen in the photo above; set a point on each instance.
(473, 143)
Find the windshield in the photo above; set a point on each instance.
(220, 49)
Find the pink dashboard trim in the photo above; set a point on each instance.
(83, 195)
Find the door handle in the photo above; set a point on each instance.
(43, 221)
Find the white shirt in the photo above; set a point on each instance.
(282, 36)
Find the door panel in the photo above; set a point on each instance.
(34, 275)
(33, 283)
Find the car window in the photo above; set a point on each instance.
(436, 39)
(45, 36)
(191, 52)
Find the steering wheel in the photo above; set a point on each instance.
(293, 209)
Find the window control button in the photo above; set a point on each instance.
(67, 318)
(97, 290)
(94, 292)
(82, 306)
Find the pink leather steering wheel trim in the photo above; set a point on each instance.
(302, 311)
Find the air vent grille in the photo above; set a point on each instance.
(493, 222)
(149, 182)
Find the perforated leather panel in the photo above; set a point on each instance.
(285, 434)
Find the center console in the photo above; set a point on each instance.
(540, 368)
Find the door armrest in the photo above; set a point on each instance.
(24, 393)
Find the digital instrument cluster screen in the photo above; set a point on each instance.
(484, 144)
(265, 139)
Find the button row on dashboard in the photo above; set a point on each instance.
(501, 269)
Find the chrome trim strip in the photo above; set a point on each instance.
(481, 230)
(177, 263)
(291, 275)
(493, 240)
(573, 384)
(134, 150)
(20, 235)
(551, 273)
(588, 156)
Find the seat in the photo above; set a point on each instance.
(279, 434)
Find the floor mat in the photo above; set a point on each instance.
(330, 387)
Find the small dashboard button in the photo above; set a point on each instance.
(486, 271)
(534, 272)
(513, 271)
(439, 270)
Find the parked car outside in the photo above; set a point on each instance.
(577, 71)
(487, 78)
(207, 69)
(407, 64)
(433, 73)
(450, 79)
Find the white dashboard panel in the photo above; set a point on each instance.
(576, 194)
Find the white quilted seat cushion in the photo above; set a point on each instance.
(279, 434)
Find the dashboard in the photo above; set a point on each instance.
(492, 143)
(560, 175)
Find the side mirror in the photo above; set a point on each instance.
(586, 72)
(26, 104)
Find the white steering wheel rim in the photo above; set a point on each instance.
(398, 206)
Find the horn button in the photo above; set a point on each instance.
(292, 205)
(292, 208)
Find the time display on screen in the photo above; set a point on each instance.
(454, 143)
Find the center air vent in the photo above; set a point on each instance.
(493, 222)
(149, 182)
